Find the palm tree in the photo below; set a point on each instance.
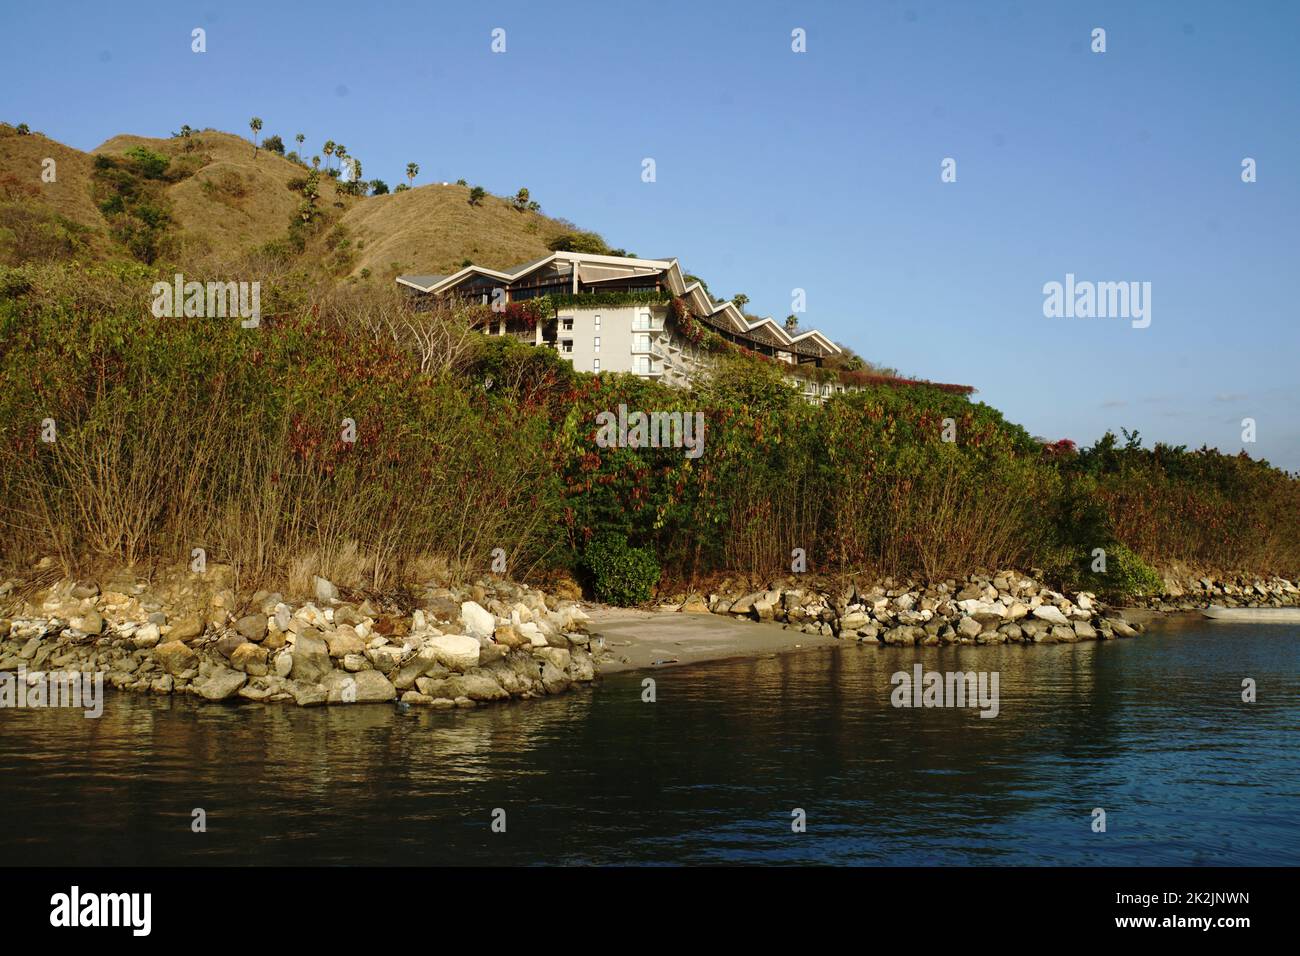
(791, 323)
(412, 170)
(315, 162)
(299, 140)
(340, 153)
(328, 151)
(741, 301)
(255, 124)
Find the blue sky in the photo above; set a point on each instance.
(820, 170)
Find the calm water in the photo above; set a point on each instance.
(1153, 730)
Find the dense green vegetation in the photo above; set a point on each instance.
(173, 434)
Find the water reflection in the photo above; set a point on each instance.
(1153, 730)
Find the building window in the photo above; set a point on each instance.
(566, 323)
(642, 319)
(643, 364)
(566, 345)
(595, 365)
(641, 342)
(598, 323)
(595, 344)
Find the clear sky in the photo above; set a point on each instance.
(779, 170)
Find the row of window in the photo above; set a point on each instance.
(640, 343)
(641, 321)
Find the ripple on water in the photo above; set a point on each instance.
(1151, 730)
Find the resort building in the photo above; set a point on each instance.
(616, 314)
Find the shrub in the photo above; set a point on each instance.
(589, 242)
(149, 164)
(1126, 574)
(620, 574)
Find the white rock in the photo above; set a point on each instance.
(479, 622)
(325, 591)
(311, 614)
(1050, 613)
(530, 630)
(283, 664)
(146, 636)
(456, 651)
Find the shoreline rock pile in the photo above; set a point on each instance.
(489, 641)
(1007, 607)
(1193, 592)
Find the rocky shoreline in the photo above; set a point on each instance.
(490, 641)
(1005, 607)
(494, 640)
(1193, 592)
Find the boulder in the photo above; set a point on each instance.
(385, 657)
(311, 659)
(284, 664)
(455, 651)
(478, 686)
(507, 635)
(344, 641)
(745, 605)
(1051, 614)
(252, 627)
(307, 694)
(555, 655)
(478, 621)
(1085, 631)
(250, 659)
(694, 605)
(325, 591)
(221, 683)
(229, 644)
(363, 687)
(185, 628)
(146, 636)
(176, 657)
(852, 620)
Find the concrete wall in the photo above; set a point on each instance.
(621, 342)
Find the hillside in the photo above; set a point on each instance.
(434, 229)
(232, 203)
(222, 202)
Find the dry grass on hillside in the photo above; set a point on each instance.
(433, 229)
(69, 195)
(232, 203)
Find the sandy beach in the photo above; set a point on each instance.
(654, 639)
